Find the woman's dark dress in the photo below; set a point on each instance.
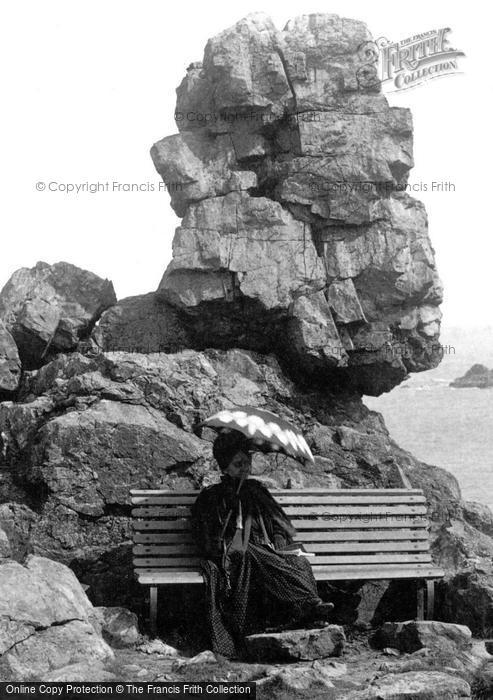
(236, 586)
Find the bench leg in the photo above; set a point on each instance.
(430, 599)
(421, 601)
(153, 610)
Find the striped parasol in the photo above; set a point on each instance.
(266, 430)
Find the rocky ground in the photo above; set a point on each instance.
(422, 660)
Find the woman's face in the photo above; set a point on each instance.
(240, 466)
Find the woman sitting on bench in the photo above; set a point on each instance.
(241, 531)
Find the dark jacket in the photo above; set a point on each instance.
(211, 508)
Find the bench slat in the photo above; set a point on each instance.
(308, 509)
(368, 573)
(356, 572)
(281, 492)
(316, 498)
(191, 562)
(319, 524)
(423, 546)
(185, 537)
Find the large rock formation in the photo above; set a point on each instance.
(298, 236)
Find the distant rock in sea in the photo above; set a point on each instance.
(477, 376)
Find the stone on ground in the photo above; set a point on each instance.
(415, 634)
(81, 673)
(156, 646)
(295, 678)
(296, 645)
(204, 657)
(415, 685)
(119, 626)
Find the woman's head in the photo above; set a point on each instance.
(232, 453)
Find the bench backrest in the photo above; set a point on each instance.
(351, 531)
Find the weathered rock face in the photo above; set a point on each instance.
(48, 308)
(86, 429)
(16, 521)
(45, 619)
(140, 324)
(297, 237)
(10, 364)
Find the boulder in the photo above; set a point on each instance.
(471, 663)
(119, 626)
(295, 678)
(56, 647)
(140, 324)
(48, 308)
(10, 364)
(467, 598)
(415, 685)
(38, 595)
(412, 635)
(296, 645)
(45, 619)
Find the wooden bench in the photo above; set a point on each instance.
(362, 534)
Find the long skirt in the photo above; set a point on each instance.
(257, 573)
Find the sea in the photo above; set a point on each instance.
(443, 426)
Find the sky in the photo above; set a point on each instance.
(90, 86)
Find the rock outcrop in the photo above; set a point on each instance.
(87, 429)
(10, 364)
(477, 376)
(143, 324)
(298, 236)
(49, 308)
(45, 620)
